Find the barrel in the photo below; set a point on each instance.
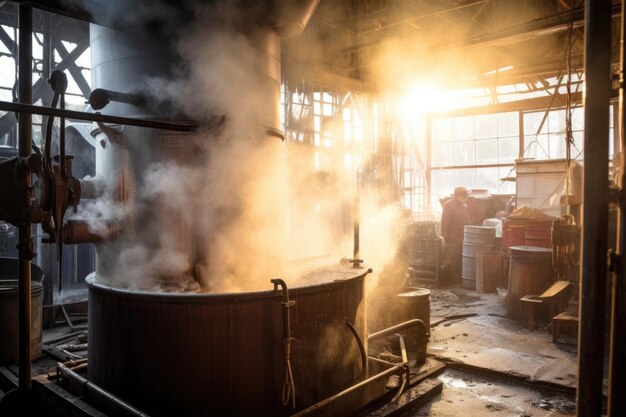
(413, 303)
(530, 272)
(489, 270)
(9, 294)
(475, 239)
(9, 319)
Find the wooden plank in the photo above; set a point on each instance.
(557, 289)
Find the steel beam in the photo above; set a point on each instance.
(617, 352)
(595, 208)
(25, 95)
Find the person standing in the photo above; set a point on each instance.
(453, 220)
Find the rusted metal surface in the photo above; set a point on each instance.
(222, 354)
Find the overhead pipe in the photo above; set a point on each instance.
(94, 117)
(595, 208)
(25, 245)
(617, 352)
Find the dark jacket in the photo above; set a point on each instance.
(453, 220)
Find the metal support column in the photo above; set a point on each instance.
(25, 245)
(617, 354)
(595, 208)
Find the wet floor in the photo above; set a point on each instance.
(466, 394)
(471, 331)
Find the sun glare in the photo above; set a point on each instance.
(422, 99)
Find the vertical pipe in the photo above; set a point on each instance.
(356, 260)
(25, 95)
(428, 150)
(595, 208)
(617, 353)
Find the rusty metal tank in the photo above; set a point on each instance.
(201, 354)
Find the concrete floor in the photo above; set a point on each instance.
(496, 365)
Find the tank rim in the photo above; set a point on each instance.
(186, 297)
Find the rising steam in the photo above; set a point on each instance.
(226, 223)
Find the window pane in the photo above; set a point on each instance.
(463, 153)
(508, 149)
(443, 129)
(463, 128)
(532, 121)
(578, 119)
(486, 126)
(536, 147)
(487, 151)
(577, 146)
(556, 120)
(508, 124)
(557, 145)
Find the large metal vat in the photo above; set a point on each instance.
(198, 354)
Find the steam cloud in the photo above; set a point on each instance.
(225, 224)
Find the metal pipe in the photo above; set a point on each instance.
(94, 117)
(76, 231)
(356, 261)
(347, 391)
(100, 398)
(356, 253)
(397, 328)
(100, 97)
(25, 95)
(359, 341)
(289, 387)
(617, 351)
(595, 208)
(383, 362)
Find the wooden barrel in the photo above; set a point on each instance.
(530, 272)
(475, 239)
(489, 268)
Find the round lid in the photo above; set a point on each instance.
(415, 292)
(530, 249)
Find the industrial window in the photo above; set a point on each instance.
(544, 134)
(77, 62)
(474, 151)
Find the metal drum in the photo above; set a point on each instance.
(202, 354)
(9, 349)
(530, 272)
(412, 303)
(475, 239)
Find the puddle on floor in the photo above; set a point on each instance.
(467, 394)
